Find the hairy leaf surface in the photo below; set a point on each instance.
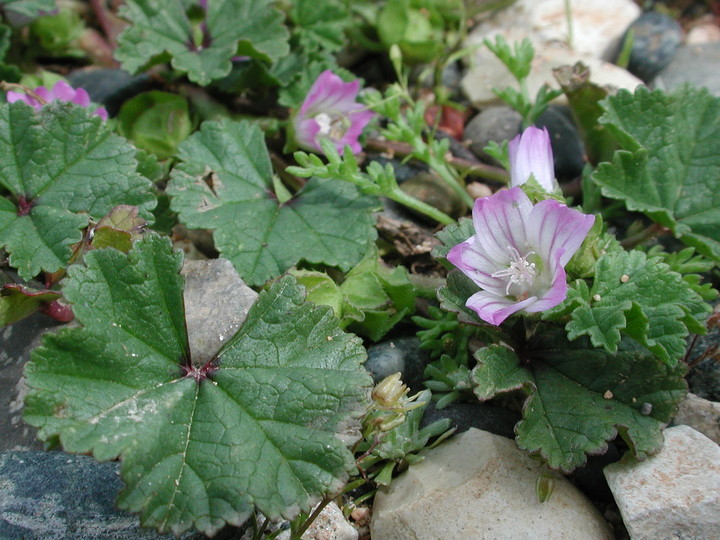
(264, 425)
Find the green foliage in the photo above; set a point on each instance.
(230, 191)
(669, 165)
(383, 451)
(448, 341)
(58, 34)
(156, 122)
(689, 265)
(371, 299)
(320, 24)
(262, 426)
(17, 302)
(29, 9)
(636, 296)
(416, 27)
(580, 397)
(62, 166)
(164, 30)
(518, 60)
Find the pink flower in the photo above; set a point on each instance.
(330, 110)
(62, 91)
(531, 154)
(518, 253)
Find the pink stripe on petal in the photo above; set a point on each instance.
(493, 309)
(553, 226)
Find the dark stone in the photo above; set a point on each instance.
(111, 87)
(434, 191)
(568, 152)
(54, 496)
(590, 478)
(401, 355)
(698, 65)
(16, 343)
(497, 420)
(656, 37)
(497, 124)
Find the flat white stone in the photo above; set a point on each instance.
(674, 494)
(481, 486)
(329, 525)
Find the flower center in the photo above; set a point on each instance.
(332, 125)
(520, 272)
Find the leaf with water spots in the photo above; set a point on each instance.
(264, 425)
(62, 166)
(224, 183)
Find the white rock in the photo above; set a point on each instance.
(674, 494)
(597, 29)
(329, 525)
(701, 415)
(481, 486)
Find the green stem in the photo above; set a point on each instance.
(297, 535)
(399, 196)
(644, 236)
(453, 181)
(568, 18)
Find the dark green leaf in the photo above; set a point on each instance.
(669, 167)
(264, 425)
(160, 28)
(225, 184)
(579, 397)
(62, 166)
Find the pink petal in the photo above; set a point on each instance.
(475, 265)
(358, 121)
(494, 309)
(306, 130)
(499, 223)
(329, 92)
(531, 153)
(554, 228)
(62, 91)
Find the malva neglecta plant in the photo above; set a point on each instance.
(548, 301)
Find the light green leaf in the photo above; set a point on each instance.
(669, 167)
(62, 165)
(162, 28)
(628, 292)
(225, 184)
(262, 426)
(579, 397)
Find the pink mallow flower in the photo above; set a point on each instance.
(330, 110)
(531, 154)
(518, 253)
(62, 91)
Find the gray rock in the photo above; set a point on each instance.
(656, 37)
(698, 65)
(497, 124)
(673, 494)
(217, 302)
(54, 496)
(568, 152)
(401, 355)
(111, 87)
(481, 486)
(16, 343)
(701, 415)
